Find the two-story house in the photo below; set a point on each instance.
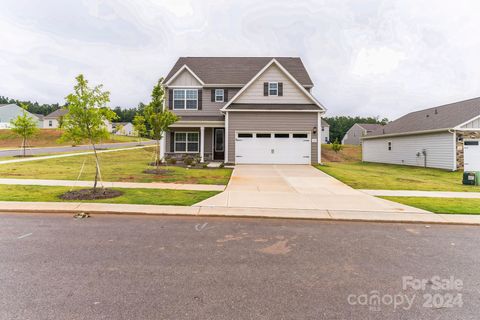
(243, 110)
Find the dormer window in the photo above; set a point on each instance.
(185, 99)
(219, 95)
(273, 88)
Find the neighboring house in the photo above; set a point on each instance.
(40, 119)
(357, 131)
(123, 128)
(54, 120)
(243, 110)
(8, 112)
(446, 137)
(325, 132)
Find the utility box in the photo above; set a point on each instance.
(471, 178)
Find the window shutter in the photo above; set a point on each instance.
(280, 88)
(170, 99)
(225, 95)
(265, 88)
(213, 95)
(200, 99)
(172, 141)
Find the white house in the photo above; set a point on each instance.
(8, 112)
(325, 131)
(445, 137)
(54, 119)
(123, 129)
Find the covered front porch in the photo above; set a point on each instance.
(204, 140)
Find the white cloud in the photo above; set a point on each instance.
(366, 57)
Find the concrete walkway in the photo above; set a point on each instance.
(129, 185)
(68, 155)
(336, 215)
(429, 194)
(296, 187)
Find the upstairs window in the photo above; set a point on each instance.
(273, 88)
(185, 99)
(219, 95)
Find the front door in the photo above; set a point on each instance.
(218, 144)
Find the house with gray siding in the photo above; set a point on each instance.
(325, 131)
(445, 137)
(243, 110)
(354, 135)
(9, 112)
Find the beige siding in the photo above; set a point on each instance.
(185, 78)
(271, 121)
(472, 124)
(353, 135)
(291, 93)
(440, 149)
(209, 108)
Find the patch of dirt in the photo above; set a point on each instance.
(24, 156)
(347, 154)
(279, 247)
(88, 194)
(159, 171)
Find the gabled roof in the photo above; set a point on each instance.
(325, 123)
(438, 118)
(236, 70)
(57, 113)
(8, 104)
(370, 126)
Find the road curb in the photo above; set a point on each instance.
(197, 212)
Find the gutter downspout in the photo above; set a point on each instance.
(454, 132)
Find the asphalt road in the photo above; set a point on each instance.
(47, 150)
(138, 267)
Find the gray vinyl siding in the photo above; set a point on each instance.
(272, 121)
(209, 108)
(353, 135)
(472, 124)
(440, 149)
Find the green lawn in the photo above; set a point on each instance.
(441, 205)
(395, 177)
(125, 166)
(130, 196)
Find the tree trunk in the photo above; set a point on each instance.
(24, 143)
(157, 155)
(97, 165)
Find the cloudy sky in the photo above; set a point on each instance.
(366, 57)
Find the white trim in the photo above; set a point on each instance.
(459, 127)
(455, 151)
(411, 133)
(263, 110)
(186, 141)
(319, 138)
(184, 67)
(226, 138)
(202, 144)
(308, 94)
(185, 99)
(185, 87)
(196, 124)
(209, 85)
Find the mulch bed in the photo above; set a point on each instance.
(88, 194)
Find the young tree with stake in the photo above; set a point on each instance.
(24, 126)
(139, 126)
(158, 118)
(86, 117)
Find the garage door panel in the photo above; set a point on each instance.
(281, 148)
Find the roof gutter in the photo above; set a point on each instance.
(405, 133)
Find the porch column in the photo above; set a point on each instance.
(163, 145)
(202, 144)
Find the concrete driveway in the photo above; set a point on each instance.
(295, 187)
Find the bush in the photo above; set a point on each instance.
(171, 160)
(336, 146)
(188, 160)
(222, 165)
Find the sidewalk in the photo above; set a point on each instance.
(68, 155)
(428, 194)
(129, 185)
(328, 215)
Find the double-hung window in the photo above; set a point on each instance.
(273, 88)
(219, 95)
(186, 99)
(186, 142)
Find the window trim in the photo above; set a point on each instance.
(276, 89)
(187, 133)
(184, 99)
(222, 95)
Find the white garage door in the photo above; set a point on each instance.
(472, 155)
(273, 147)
